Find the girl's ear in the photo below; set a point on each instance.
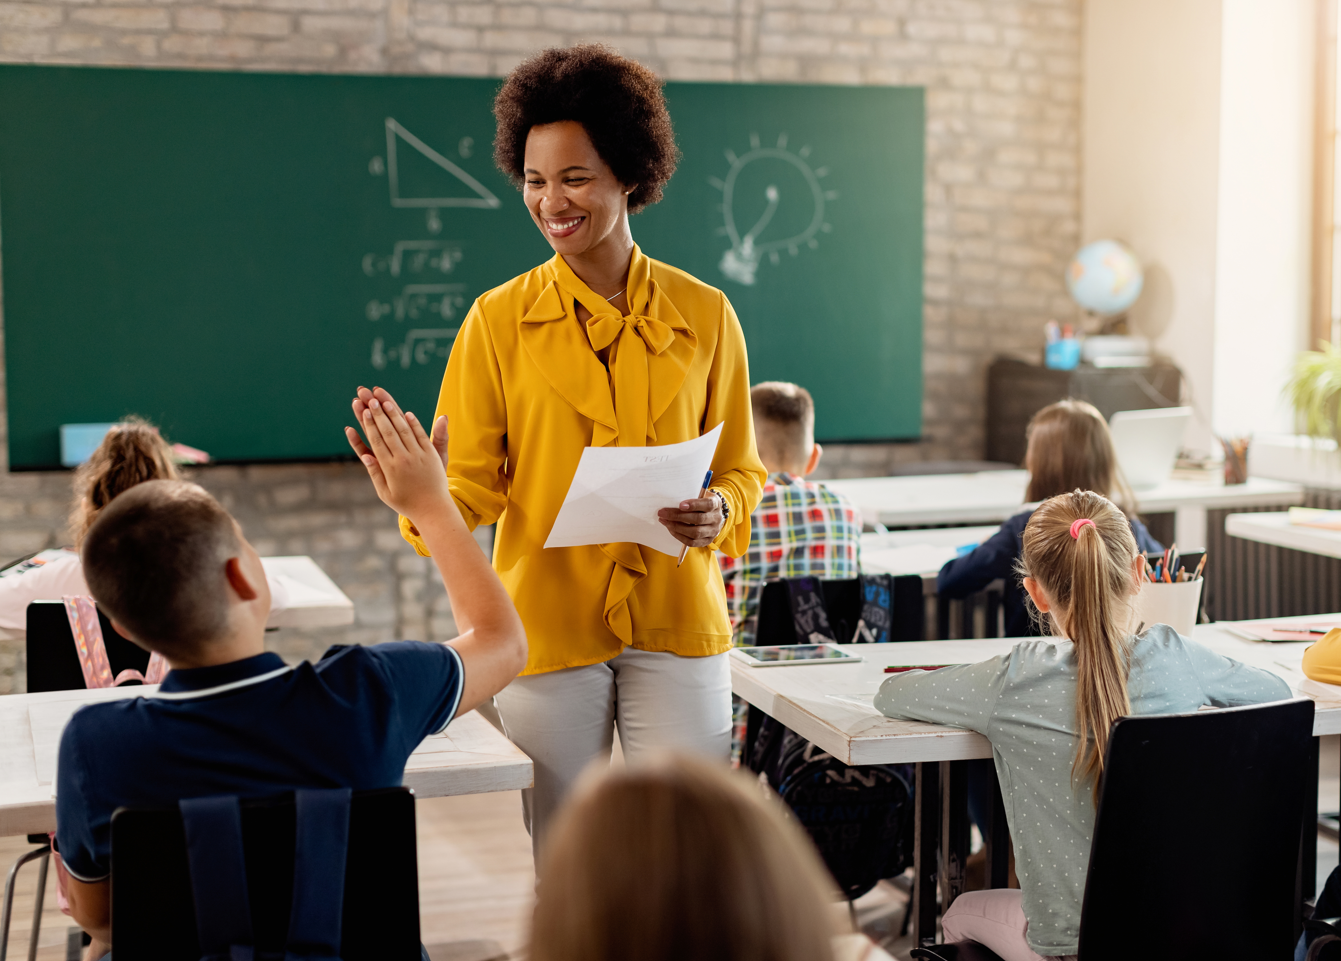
(1036, 594)
(1137, 572)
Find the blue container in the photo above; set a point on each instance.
(1062, 354)
(79, 441)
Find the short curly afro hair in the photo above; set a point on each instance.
(617, 100)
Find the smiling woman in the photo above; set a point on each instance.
(599, 346)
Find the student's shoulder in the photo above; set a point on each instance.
(1017, 522)
(104, 720)
(824, 492)
(1159, 640)
(392, 662)
(1041, 655)
(1144, 540)
(57, 565)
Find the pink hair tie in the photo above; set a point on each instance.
(1078, 524)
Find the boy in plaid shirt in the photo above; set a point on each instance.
(800, 528)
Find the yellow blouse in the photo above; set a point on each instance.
(525, 392)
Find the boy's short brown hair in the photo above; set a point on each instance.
(154, 562)
(784, 421)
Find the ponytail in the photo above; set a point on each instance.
(132, 452)
(1079, 547)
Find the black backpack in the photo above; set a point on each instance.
(860, 818)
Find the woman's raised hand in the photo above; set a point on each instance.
(404, 463)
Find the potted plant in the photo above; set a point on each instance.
(1311, 457)
(1314, 390)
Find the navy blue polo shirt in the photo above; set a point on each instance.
(253, 728)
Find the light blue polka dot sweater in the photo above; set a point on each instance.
(1024, 702)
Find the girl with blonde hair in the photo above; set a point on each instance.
(1047, 707)
(678, 859)
(1069, 449)
(133, 451)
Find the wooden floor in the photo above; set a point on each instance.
(476, 880)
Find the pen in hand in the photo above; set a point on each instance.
(707, 481)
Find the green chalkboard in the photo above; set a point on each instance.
(229, 254)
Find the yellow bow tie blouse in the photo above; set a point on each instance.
(525, 392)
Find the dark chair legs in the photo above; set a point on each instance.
(44, 853)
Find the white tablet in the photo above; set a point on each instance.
(793, 655)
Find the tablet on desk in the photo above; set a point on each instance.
(793, 654)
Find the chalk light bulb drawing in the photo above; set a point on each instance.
(777, 180)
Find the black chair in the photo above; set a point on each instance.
(153, 911)
(53, 665)
(1197, 839)
(842, 603)
(53, 662)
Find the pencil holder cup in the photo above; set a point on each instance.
(1173, 604)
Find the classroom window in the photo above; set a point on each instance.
(1327, 208)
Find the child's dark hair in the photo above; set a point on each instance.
(154, 561)
(784, 421)
(132, 452)
(1079, 548)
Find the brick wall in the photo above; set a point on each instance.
(1002, 195)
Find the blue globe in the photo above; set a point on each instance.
(1105, 277)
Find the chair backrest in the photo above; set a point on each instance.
(53, 662)
(842, 603)
(154, 914)
(1196, 840)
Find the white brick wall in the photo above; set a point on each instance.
(1002, 195)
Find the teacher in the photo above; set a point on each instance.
(599, 346)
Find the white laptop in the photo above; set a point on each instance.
(1147, 443)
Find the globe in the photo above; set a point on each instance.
(1105, 277)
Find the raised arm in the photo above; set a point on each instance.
(406, 470)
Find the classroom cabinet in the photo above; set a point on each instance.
(1016, 391)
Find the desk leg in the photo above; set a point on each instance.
(954, 830)
(998, 841)
(926, 804)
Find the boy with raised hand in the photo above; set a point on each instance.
(172, 570)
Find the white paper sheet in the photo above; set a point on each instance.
(47, 722)
(617, 491)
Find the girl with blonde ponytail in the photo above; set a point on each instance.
(133, 451)
(1047, 708)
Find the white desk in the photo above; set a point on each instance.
(831, 704)
(1275, 528)
(470, 757)
(921, 552)
(993, 496)
(311, 597)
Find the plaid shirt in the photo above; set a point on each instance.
(799, 529)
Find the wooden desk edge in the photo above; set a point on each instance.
(488, 777)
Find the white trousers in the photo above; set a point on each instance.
(995, 920)
(565, 720)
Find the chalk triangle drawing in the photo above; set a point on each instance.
(394, 133)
